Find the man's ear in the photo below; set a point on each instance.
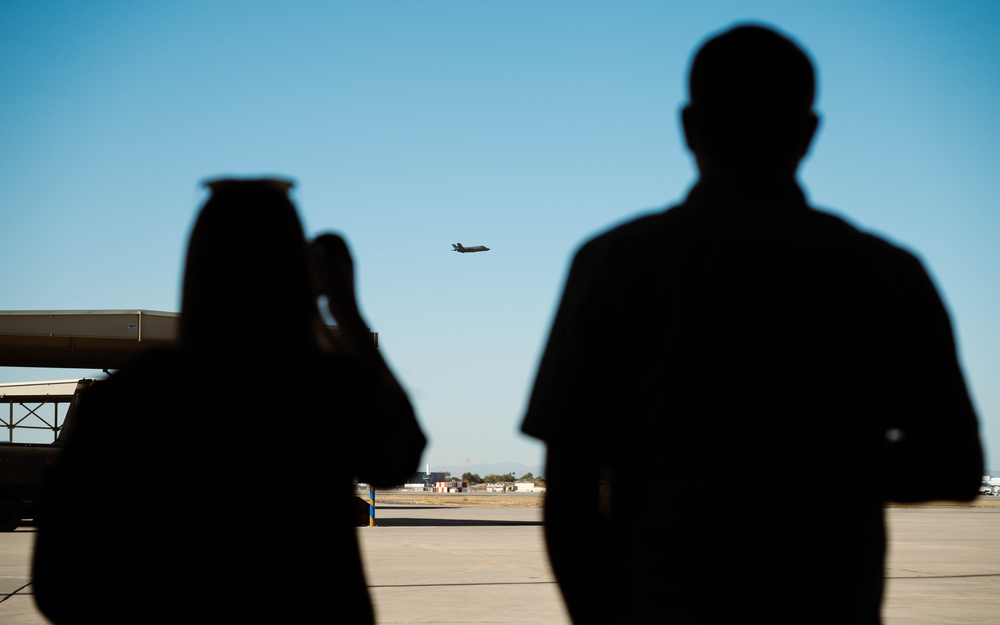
(688, 126)
(809, 129)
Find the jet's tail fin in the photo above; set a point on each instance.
(457, 247)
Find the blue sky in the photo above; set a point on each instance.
(523, 126)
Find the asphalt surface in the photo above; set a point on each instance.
(475, 564)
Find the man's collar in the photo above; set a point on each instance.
(787, 195)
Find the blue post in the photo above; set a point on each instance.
(371, 507)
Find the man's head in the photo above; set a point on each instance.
(750, 109)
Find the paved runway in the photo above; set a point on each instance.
(943, 566)
(485, 564)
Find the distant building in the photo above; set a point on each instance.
(528, 487)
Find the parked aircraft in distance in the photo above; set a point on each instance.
(475, 248)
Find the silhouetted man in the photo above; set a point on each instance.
(734, 387)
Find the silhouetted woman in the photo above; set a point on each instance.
(228, 462)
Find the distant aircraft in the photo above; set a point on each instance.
(475, 248)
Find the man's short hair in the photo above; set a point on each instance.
(751, 70)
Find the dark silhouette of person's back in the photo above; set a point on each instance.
(734, 387)
(228, 461)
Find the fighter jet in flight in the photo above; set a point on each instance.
(458, 247)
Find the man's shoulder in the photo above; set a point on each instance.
(644, 228)
(845, 231)
(681, 225)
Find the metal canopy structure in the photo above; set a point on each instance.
(84, 339)
(81, 339)
(36, 405)
(52, 390)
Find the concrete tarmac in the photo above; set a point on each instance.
(455, 564)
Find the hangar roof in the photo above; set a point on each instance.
(81, 339)
(52, 390)
(85, 339)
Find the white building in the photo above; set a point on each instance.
(528, 487)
